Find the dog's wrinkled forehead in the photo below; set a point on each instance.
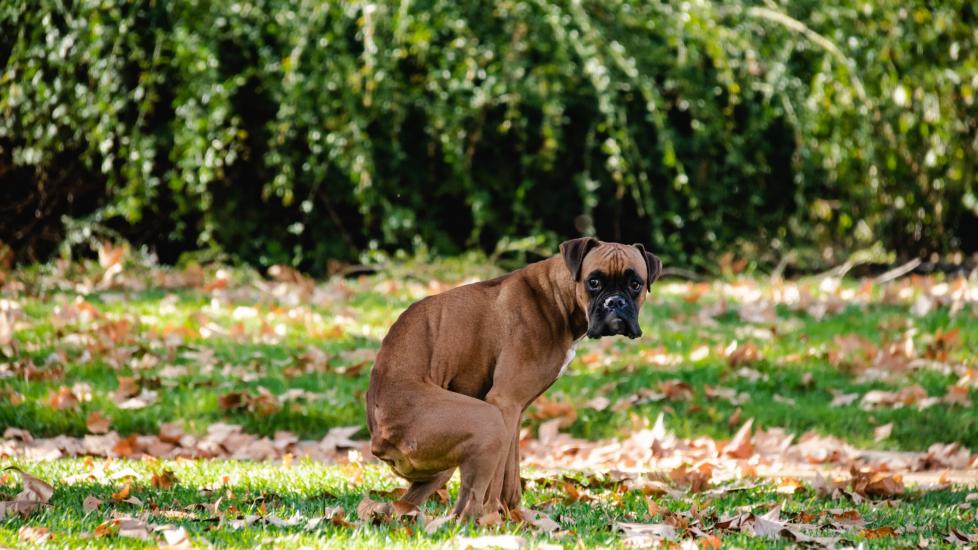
(614, 260)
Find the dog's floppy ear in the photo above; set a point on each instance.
(574, 251)
(652, 264)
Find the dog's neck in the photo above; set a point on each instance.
(564, 290)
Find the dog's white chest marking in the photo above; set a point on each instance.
(568, 357)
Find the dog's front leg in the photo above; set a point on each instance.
(512, 490)
(511, 419)
(523, 372)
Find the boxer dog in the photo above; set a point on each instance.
(456, 370)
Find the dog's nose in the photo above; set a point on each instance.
(614, 302)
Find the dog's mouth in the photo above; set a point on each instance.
(614, 324)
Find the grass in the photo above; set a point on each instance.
(193, 346)
(307, 489)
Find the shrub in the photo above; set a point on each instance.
(287, 131)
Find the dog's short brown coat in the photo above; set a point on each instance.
(457, 370)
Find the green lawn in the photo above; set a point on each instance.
(200, 345)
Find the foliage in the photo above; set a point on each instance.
(301, 130)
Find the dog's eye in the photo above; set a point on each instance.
(594, 283)
(635, 285)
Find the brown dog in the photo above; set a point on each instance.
(457, 370)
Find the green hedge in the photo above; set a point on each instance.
(298, 131)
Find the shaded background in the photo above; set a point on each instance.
(310, 133)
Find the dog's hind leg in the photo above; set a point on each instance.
(436, 430)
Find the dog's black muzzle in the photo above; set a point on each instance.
(613, 315)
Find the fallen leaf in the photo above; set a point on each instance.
(538, 520)
(97, 423)
(175, 537)
(740, 446)
(371, 511)
(62, 399)
(599, 403)
(697, 479)
(122, 493)
(407, 510)
(645, 534)
(882, 432)
(878, 533)
(769, 525)
(164, 479)
(788, 486)
(490, 519)
(957, 536)
(36, 535)
(547, 432)
(738, 355)
(436, 524)
(90, 504)
(171, 432)
(876, 483)
(506, 542)
(128, 387)
(272, 519)
(141, 401)
(133, 528)
(35, 494)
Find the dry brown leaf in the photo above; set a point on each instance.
(90, 504)
(876, 483)
(171, 432)
(122, 493)
(97, 423)
(740, 355)
(434, 525)
(164, 479)
(490, 519)
(17, 433)
(144, 399)
(371, 511)
(788, 486)
(125, 446)
(547, 409)
(36, 535)
(272, 519)
(598, 403)
(133, 528)
(905, 396)
(882, 432)
(406, 510)
(538, 520)
(697, 479)
(846, 519)
(676, 390)
(548, 431)
(740, 446)
(62, 399)
(642, 534)
(128, 387)
(175, 537)
(957, 536)
(957, 395)
(35, 494)
(884, 532)
(840, 399)
(506, 542)
(107, 529)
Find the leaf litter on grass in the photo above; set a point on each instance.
(652, 460)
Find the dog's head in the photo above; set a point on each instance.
(612, 280)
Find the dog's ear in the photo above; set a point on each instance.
(574, 251)
(652, 264)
